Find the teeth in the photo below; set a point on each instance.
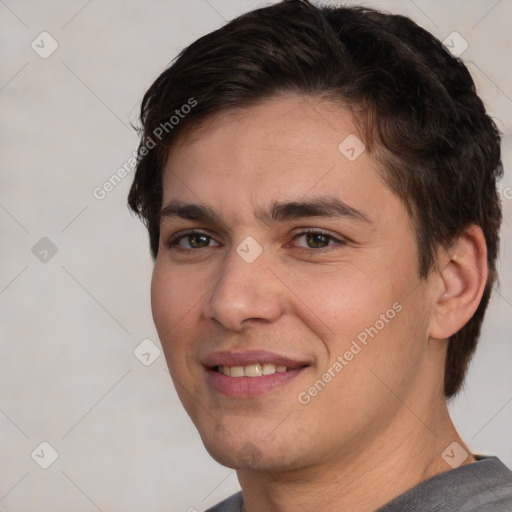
(252, 370)
(268, 369)
(237, 371)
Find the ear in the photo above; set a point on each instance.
(462, 276)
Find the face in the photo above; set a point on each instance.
(286, 292)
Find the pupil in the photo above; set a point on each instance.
(197, 241)
(317, 240)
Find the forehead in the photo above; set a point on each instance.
(285, 121)
(283, 149)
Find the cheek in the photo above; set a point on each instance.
(373, 327)
(363, 312)
(163, 299)
(341, 302)
(172, 303)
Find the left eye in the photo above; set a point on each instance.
(315, 240)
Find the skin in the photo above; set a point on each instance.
(380, 426)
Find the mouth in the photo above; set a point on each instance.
(248, 374)
(251, 370)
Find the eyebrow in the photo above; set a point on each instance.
(278, 212)
(189, 211)
(321, 207)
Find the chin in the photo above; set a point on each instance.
(247, 457)
(251, 453)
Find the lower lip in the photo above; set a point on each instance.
(247, 387)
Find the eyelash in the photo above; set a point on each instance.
(332, 240)
(175, 239)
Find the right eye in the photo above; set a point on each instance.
(192, 240)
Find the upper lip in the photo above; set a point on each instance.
(245, 358)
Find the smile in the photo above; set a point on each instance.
(252, 370)
(250, 373)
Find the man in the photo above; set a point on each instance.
(319, 186)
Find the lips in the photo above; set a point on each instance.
(251, 357)
(251, 373)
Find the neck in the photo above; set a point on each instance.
(363, 478)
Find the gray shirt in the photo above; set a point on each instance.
(482, 486)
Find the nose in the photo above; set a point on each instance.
(245, 292)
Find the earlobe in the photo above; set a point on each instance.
(463, 275)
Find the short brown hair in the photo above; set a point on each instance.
(422, 118)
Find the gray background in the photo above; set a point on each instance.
(71, 322)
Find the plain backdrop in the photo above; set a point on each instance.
(75, 270)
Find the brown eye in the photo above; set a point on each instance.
(198, 241)
(314, 239)
(317, 240)
(192, 240)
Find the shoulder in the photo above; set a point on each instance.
(482, 486)
(495, 495)
(231, 504)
